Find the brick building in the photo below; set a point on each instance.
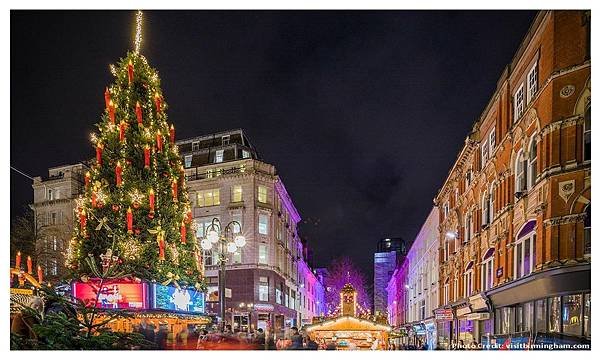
(515, 207)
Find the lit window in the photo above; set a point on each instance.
(50, 194)
(263, 224)
(492, 141)
(208, 198)
(278, 296)
(519, 103)
(524, 256)
(532, 163)
(245, 154)
(236, 193)
(203, 226)
(237, 257)
(219, 156)
(487, 271)
(262, 194)
(188, 161)
(484, 154)
(54, 243)
(455, 289)
(485, 208)
(492, 202)
(195, 146)
(54, 267)
(262, 254)
(520, 165)
(532, 83)
(263, 292)
(225, 140)
(468, 282)
(468, 227)
(446, 210)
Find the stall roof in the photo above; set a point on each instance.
(347, 323)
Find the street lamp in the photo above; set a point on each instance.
(224, 240)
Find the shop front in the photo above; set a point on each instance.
(430, 333)
(350, 333)
(444, 318)
(550, 308)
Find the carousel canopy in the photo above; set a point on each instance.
(348, 323)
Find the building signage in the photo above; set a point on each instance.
(172, 298)
(443, 314)
(115, 295)
(499, 272)
(463, 310)
(263, 307)
(478, 316)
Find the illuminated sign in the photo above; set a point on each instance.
(263, 307)
(112, 295)
(443, 314)
(172, 298)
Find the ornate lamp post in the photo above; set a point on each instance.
(224, 240)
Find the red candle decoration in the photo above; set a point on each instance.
(118, 173)
(122, 131)
(82, 219)
(147, 157)
(183, 232)
(29, 265)
(111, 111)
(87, 179)
(94, 199)
(138, 113)
(106, 97)
(40, 274)
(172, 134)
(157, 102)
(99, 153)
(129, 221)
(151, 200)
(174, 190)
(189, 216)
(18, 260)
(161, 249)
(130, 72)
(159, 143)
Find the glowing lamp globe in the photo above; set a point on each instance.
(231, 247)
(205, 244)
(212, 236)
(240, 241)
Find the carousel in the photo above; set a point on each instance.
(349, 332)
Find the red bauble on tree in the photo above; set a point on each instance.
(118, 173)
(138, 113)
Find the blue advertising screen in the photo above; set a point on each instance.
(171, 298)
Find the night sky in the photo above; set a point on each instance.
(362, 113)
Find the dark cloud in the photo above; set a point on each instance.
(362, 113)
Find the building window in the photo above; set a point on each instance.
(520, 165)
(468, 227)
(54, 243)
(519, 103)
(446, 210)
(587, 320)
(484, 154)
(532, 83)
(524, 317)
(236, 258)
(225, 140)
(195, 145)
(262, 254)
(455, 289)
(53, 267)
(492, 202)
(263, 224)
(487, 271)
(263, 292)
(50, 194)
(571, 314)
(188, 161)
(587, 134)
(422, 310)
(587, 231)
(236, 193)
(447, 250)
(245, 154)
(524, 255)
(456, 197)
(208, 198)
(505, 320)
(278, 298)
(53, 218)
(262, 194)
(541, 315)
(208, 258)
(485, 209)
(219, 156)
(468, 283)
(202, 226)
(468, 178)
(554, 314)
(492, 141)
(532, 163)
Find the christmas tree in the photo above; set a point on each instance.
(135, 202)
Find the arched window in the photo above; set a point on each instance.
(532, 163)
(520, 166)
(468, 280)
(587, 133)
(487, 270)
(485, 208)
(524, 254)
(468, 227)
(492, 200)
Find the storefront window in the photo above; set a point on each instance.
(572, 314)
(587, 320)
(524, 317)
(554, 314)
(505, 317)
(465, 331)
(541, 310)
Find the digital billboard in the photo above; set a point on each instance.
(114, 295)
(172, 298)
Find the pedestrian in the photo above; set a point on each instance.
(161, 336)
(296, 340)
(311, 344)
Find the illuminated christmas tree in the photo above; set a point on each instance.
(135, 200)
